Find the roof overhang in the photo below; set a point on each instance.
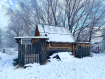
(59, 42)
(81, 42)
(31, 37)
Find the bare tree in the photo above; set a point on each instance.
(96, 17)
(74, 14)
(52, 12)
(93, 17)
(0, 37)
(74, 10)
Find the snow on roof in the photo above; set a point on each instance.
(30, 37)
(55, 33)
(83, 42)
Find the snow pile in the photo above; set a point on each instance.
(65, 56)
(74, 68)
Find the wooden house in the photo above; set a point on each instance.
(47, 40)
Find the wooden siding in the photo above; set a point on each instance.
(83, 44)
(74, 49)
(19, 53)
(82, 51)
(58, 46)
(22, 54)
(54, 47)
(43, 52)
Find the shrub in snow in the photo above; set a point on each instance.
(94, 47)
(16, 62)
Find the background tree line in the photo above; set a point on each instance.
(74, 14)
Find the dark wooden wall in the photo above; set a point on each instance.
(54, 47)
(38, 46)
(57, 45)
(19, 53)
(81, 50)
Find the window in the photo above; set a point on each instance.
(26, 41)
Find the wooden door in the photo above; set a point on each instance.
(36, 48)
(32, 53)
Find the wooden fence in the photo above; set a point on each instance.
(82, 51)
(31, 58)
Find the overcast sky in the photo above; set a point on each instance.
(3, 5)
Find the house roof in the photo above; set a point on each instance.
(55, 33)
(31, 37)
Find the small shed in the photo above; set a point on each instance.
(31, 49)
(48, 40)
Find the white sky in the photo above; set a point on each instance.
(4, 4)
(3, 18)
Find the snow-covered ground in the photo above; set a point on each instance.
(73, 68)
